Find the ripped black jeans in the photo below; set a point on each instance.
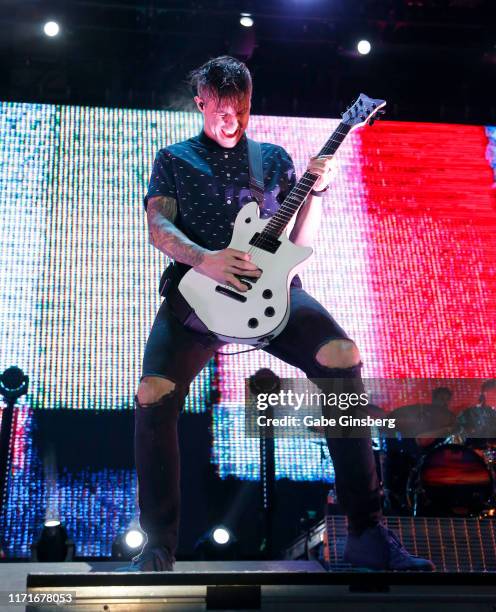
(179, 354)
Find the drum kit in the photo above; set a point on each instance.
(438, 470)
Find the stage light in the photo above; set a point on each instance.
(364, 47)
(13, 383)
(246, 20)
(242, 41)
(217, 544)
(53, 544)
(128, 544)
(51, 28)
(134, 538)
(221, 536)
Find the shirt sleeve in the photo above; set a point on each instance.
(288, 175)
(162, 180)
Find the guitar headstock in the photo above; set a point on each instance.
(364, 110)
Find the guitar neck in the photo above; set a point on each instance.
(300, 191)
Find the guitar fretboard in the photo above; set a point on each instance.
(300, 191)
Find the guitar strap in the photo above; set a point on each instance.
(256, 171)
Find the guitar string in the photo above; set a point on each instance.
(293, 202)
(326, 149)
(307, 181)
(290, 205)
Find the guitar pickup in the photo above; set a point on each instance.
(266, 242)
(230, 293)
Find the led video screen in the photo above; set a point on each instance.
(405, 260)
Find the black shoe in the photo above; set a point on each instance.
(379, 548)
(157, 559)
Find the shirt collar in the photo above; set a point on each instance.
(211, 144)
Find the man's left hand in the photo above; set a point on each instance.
(323, 167)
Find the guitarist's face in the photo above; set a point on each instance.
(225, 120)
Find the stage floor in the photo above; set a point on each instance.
(289, 586)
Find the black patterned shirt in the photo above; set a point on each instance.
(211, 183)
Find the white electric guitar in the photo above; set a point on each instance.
(259, 314)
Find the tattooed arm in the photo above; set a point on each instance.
(161, 213)
(221, 266)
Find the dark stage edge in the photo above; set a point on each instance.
(279, 585)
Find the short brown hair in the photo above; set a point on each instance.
(222, 77)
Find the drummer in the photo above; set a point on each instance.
(479, 422)
(421, 427)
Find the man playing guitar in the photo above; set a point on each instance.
(196, 189)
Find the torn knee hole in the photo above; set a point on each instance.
(338, 354)
(155, 393)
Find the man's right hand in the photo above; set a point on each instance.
(222, 266)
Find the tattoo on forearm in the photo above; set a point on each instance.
(165, 236)
(162, 205)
